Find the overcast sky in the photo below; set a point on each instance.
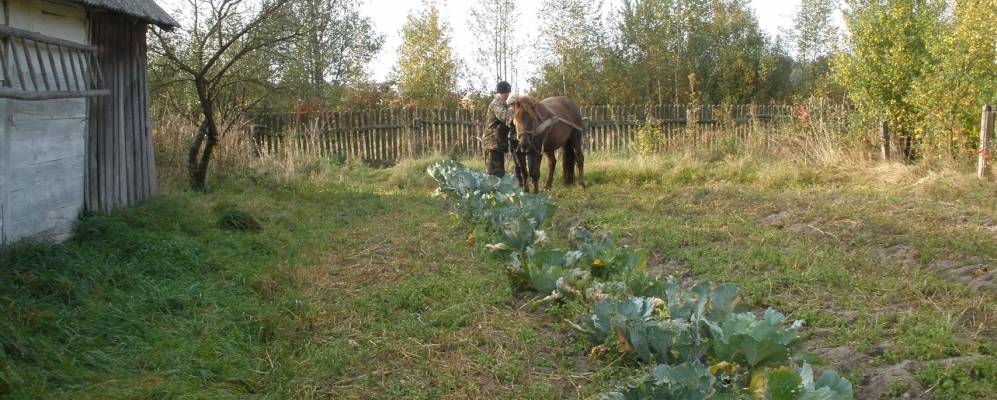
(389, 15)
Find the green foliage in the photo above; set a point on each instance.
(679, 51)
(612, 315)
(976, 380)
(499, 203)
(427, 67)
(221, 62)
(140, 304)
(328, 59)
(815, 32)
(639, 314)
(888, 55)
(544, 268)
(701, 302)
(649, 137)
(784, 384)
(961, 78)
(753, 342)
(925, 66)
(815, 37)
(787, 384)
(686, 381)
(576, 54)
(830, 386)
(605, 259)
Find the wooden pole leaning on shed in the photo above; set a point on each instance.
(986, 134)
(884, 135)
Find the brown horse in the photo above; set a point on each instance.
(542, 128)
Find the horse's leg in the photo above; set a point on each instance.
(521, 171)
(551, 163)
(519, 177)
(579, 158)
(534, 166)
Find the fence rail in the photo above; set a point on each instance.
(392, 134)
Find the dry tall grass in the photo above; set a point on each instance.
(817, 149)
(237, 153)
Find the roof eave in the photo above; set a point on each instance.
(154, 15)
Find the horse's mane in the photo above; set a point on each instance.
(528, 104)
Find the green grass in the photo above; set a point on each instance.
(359, 285)
(703, 219)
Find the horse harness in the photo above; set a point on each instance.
(550, 122)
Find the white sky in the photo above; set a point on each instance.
(389, 16)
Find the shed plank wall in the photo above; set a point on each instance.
(120, 164)
(4, 156)
(42, 143)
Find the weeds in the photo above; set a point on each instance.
(360, 287)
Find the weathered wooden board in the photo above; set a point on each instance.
(4, 157)
(397, 133)
(4, 154)
(120, 167)
(42, 144)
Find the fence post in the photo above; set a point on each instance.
(884, 135)
(415, 138)
(986, 133)
(753, 115)
(692, 124)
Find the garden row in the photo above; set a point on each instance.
(692, 344)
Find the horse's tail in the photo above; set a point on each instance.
(570, 158)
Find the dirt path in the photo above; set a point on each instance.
(419, 313)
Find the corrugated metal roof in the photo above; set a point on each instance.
(146, 10)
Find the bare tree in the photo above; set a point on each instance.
(222, 52)
(494, 25)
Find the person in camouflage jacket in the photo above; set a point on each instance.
(496, 140)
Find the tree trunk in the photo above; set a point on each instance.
(207, 133)
(910, 152)
(193, 155)
(199, 182)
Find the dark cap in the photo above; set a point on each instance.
(503, 87)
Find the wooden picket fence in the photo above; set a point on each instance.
(385, 134)
(395, 133)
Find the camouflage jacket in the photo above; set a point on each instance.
(499, 123)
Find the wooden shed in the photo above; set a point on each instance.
(74, 121)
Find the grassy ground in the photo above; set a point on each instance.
(360, 285)
(892, 268)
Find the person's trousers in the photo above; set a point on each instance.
(495, 162)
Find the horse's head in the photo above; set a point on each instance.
(526, 120)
